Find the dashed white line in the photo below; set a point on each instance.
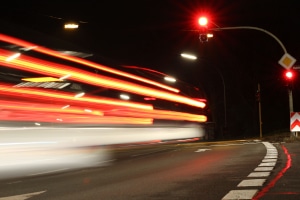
(267, 164)
(259, 174)
(240, 194)
(272, 156)
(48, 172)
(263, 168)
(251, 182)
(22, 196)
(255, 178)
(269, 160)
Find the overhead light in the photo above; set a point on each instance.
(170, 79)
(189, 56)
(71, 26)
(124, 96)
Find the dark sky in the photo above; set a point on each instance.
(153, 33)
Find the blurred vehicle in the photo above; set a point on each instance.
(59, 109)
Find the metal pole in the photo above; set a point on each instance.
(259, 111)
(224, 96)
(291, 105)
(253, 28)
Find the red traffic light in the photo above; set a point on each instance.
(203, 21)
(289, 75)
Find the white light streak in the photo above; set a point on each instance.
(170, 79)
(12, 57)
(188, 56)
(124, 96)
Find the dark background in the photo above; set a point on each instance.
(153, 33)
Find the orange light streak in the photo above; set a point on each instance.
(38, 107)
(50, 52)
(79, 119)
(158, 114)
(52, 69)
(36, 93)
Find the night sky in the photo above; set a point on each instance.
(153, 33)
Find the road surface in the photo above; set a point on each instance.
(199, 170)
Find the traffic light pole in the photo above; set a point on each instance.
(284, 50)
(253, 28)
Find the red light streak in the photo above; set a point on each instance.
(53, 69)
(50, 52)
(69, 118)
(158, 114)
(61, 97)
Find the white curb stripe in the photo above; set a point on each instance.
(251, 182)
(240, 194)
(259, 174)
(269, 160)
(263, 168)
(272, 156)
(267, 164)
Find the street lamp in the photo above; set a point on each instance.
(193, 57)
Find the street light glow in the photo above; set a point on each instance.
(170, 79)
(71, 26)
(188, 56)
(124, 96)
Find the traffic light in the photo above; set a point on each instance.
(289, 75)
(203, 23)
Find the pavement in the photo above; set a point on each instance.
(285, 185)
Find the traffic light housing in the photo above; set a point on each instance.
(289, 76)
(203, 29)
(203, 37)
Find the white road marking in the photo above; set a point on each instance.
(219, 145)
(14, 182)
(48, 172)
(259, 174)
(269, 160)
(269, 157)
(240, 194)
(263, 168)
(22, 196)
(267, 164)
(202, 150)
(251, 182)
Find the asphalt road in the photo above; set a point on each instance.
(170, 171)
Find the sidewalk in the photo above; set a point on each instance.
(285, 185)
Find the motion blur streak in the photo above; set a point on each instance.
(159, 114)
(44, 50)
(54, 69)
(28, 151)
(35, 94)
